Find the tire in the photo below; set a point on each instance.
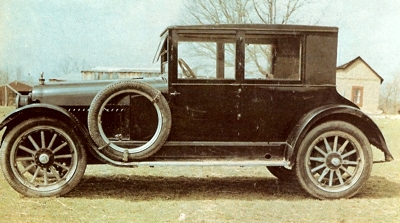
(282, 173)
(115, 153)
(334, 161)
(42, 157)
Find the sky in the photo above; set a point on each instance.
(43, 36)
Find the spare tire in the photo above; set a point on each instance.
(113, 152)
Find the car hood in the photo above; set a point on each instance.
(82, 93)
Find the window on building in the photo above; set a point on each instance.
(357, 95)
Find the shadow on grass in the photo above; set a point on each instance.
(186, 188)
(144, 188)
(380, 187)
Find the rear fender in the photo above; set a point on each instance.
(336, 112)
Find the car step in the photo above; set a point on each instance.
(213, 163)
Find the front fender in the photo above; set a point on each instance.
(336, 112)
(41, 110)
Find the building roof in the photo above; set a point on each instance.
(19, 86)
(348, 64)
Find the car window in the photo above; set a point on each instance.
(272, 58)
(206, 59)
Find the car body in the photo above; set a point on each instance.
(235, 95)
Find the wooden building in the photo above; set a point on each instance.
(359, 83)
(9, 92)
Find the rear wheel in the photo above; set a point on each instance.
(42, 157)
(334, 161)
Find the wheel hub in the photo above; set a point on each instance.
(334, 161)
(44, 158)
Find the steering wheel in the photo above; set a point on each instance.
(186, 69)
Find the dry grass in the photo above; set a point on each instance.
(209, 194)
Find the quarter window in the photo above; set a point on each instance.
(272, 58)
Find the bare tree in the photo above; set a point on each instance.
(3, 77)
(243, 11)
(277, 12)
(8, 75)
(12, 74)
(69, 66)
(18, 73)
(65, 67)
(390, 95)
(218, 11)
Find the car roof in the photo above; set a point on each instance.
(255, 27)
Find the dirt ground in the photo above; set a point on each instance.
(209, 194)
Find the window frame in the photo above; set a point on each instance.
(202, 37)
(237, 37)
(264, 36)
(354, 97)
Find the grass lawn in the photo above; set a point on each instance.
(208, 194)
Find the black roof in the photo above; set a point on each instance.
(256, 27)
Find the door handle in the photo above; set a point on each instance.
(175, 93)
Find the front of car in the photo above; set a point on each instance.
(81, 93)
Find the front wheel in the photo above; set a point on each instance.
(334, 161)
(42, 157)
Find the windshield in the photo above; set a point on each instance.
(162, 48)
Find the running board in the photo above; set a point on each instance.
(204, 143)
(213, 163)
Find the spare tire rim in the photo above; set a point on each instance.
(148, 143)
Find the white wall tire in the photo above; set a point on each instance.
(117, 153)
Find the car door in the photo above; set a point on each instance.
(205, 100)
(271, 78)
(205, 112)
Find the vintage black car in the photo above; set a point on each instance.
(232, 95)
